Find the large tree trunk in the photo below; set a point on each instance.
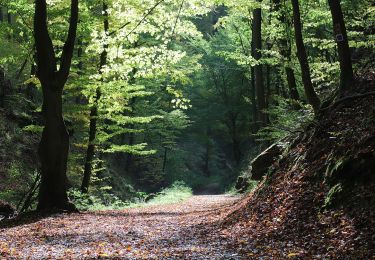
(90, 152)
(347, 76)
(53, 152)
(54, 145)
(311, 95)
(258, 69)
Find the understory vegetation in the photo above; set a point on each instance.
(176, 193)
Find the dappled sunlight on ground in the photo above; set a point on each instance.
(167, 231)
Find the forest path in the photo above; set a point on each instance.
(171, 231)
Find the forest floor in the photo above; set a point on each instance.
(155, 232)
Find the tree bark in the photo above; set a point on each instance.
(311, 95)
(346, 68)
(253, 97)
(54, 145)
(258, 69)
(90, 152)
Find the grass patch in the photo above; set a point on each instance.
(178, 192)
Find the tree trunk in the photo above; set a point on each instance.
(285, 51)
(258, 69)
(207, 154)
(347, 75)
(53, 152)
(293, 92)
(130, 157)
(235, 139)
(4, 87)
(311, 95)
(90, 152)
(165, 159)
(253, 97)
(268, 86)
(54, 145)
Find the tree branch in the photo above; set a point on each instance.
(67, 54)
(45, 54)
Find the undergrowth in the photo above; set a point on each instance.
(176, 193)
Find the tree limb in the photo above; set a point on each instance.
(67, 54)
(45, 54)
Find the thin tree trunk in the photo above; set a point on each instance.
(2, 87)
(130, 156)
(311, 95)
(285, 51)
(90, 153)
(347, 75)
(268, 85)
(253, 96)
(258, 69)
(293, 92)
(165, 159)
(235, 140)
(54, 145)
(207, 155)
(9, 17)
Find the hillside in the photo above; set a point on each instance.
(318, 200)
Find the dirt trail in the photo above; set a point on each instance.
(172, 231)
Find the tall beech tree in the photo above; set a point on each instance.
(258, 69)
(286, 52)
(90, 152)
(311, 95)
(339, 28)
(54, 145)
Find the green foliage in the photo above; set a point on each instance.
(287, 117)
(104, 201)
(107, 201)
(174, 194)
(333, 195)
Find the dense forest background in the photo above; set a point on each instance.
(165, 92)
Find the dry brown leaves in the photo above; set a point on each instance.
(157, 232)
